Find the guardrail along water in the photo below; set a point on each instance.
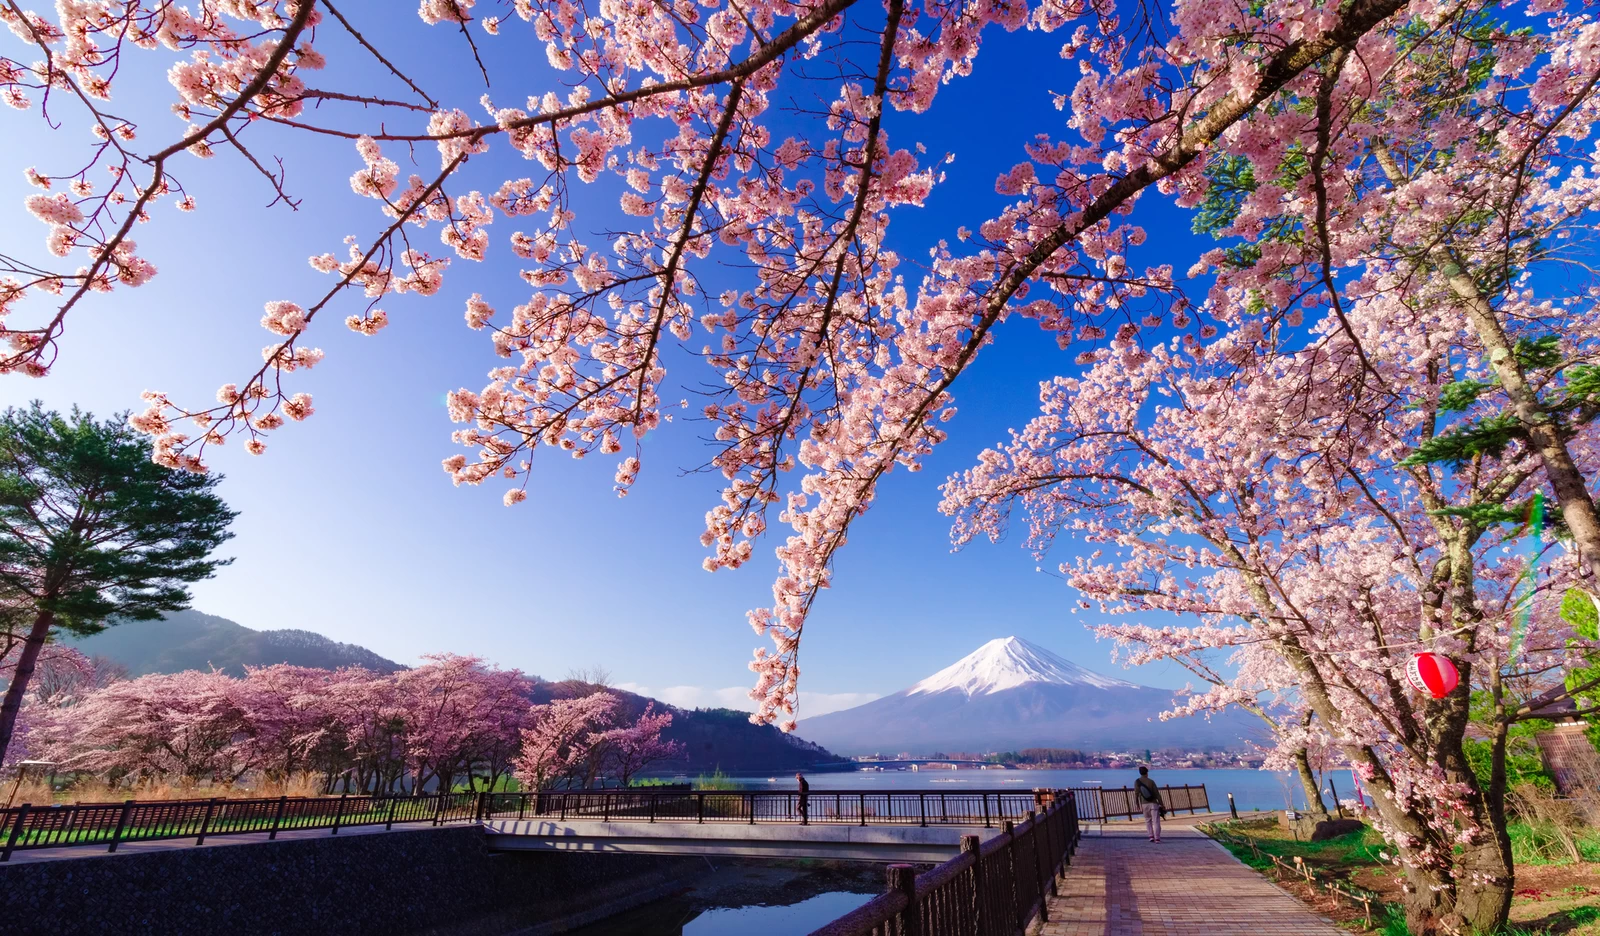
(996, 888)
(111, 824)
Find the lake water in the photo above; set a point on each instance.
(1251, 789)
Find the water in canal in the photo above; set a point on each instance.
(741, 898)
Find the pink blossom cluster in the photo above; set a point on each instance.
(244, 63)
(571, 742)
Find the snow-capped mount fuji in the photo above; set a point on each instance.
(1008, 662)
(1010, 694)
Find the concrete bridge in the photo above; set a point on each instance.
(873, 825)
(766, 840)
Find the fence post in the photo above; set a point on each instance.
(863, 809)
(922, 800)
(522, 805)
(438, 808)
(388, 823)
(1233, 809)
(1051, 850)
(1009, 830)
(205, 823)
(752, 800)
(278, 817)
(1038, 872)
(605, 807)
(122, 823)
(985, 798)
(700, 807)
(338, 813)
(903, 878)
(16, 830)
(652, 801)
(971, 843)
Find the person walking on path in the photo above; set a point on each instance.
(805, 788)
(1150, 799)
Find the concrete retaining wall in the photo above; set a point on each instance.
(427, 882)
(839, 841)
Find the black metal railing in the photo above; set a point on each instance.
(111, 824)
(988, 808)
(997, 888)
(1096, 804)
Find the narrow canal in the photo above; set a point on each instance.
(739, 898)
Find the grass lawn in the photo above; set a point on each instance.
(1554, 897)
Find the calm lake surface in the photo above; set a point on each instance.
(1251, 789)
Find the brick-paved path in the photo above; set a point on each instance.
(1121, 884)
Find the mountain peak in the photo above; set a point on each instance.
(1009, 662)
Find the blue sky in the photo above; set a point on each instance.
(350, 528)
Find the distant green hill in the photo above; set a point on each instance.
(189, 640)
(714, 737)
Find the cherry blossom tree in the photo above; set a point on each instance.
(368, 744)
(184, 727)
(291, 721)
(559, 744)
(460, 714)
(61, 676)
(1240, 484)
(632, 748)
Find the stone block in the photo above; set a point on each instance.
(1333, 828)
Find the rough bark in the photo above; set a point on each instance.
(32, 646)
(1544, 435)
(1308, 781)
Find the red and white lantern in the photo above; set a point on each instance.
(1432, 673)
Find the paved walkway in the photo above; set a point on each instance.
(1121, 884)
(29, 855)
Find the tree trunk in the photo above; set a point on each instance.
(31, 648)
(1308, 781)
(1566, 479)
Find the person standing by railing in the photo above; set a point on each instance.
(1150, 798)
(805, 788)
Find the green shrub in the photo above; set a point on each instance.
(717, 781)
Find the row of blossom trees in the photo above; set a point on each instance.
(452, 721)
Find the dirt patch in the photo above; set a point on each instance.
(1558, 900)
(1346, 914)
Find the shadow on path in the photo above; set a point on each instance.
(1121, 884)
